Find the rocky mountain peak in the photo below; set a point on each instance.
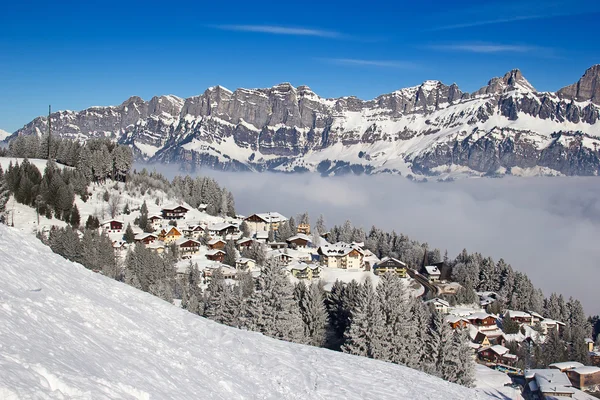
(512, 80)
(585, 89)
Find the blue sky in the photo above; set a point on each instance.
(78, 54)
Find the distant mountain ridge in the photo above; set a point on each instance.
(506, 126)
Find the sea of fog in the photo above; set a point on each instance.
(546, 227)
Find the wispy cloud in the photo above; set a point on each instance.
(523, 16)
(371, 63)
(484, 48)
(281, 30)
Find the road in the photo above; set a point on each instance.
(423, 281)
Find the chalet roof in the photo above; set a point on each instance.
(172, 207)
(177, 231)
(300, 266)
(154, 216)
(549, 321)
(566, 365)
(193, 227)
(452, 319)
(108, 221)
(144, 235)
(550, 380)
(437, 300)
(202, 206)
(339, 249)
(221, 226)
(300, 236)
(244, 240)
(156, 245)
(517, 314)
(181, 241)
(586, 370)
(394, 260)
(214, 252)
(432, 270)
(244, 260)
(270, 217)
(215, 241)
(480, 315)
(498, 349)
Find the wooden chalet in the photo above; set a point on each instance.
(497, 354)
(457, 322)
(302, 270)
(173, 234)
(193, 231)
(112, 226)
(188, 246)
(215, 255)
(156, 221)
(245, 264)
(300, 241)
(222, 230)
(265, 221)
(174, 212)
(389, 264)
(215, 244)
(483, 320)
(489, 339)
(145, 238)
(244, 243)
(584, 378)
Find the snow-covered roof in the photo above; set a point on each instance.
(212, 242)
(550, 380)
(244, 240)
(244, 260)
(262, 235)
(171, 207)
(181, 241)
(154, 216)
(498, 349)
(437, 300)
(384, 259)
(156, 245)
(221, 226)
(452, 319)
(300, 266)
(480, 315)
(300, 236)
(432, 270)
(108, 221)
(566, 365)
(586, 370)
(175, 229)
(270, 217)
(144, 235)
(517, 314)
(214, 252)
(549, 321)
(339, 249)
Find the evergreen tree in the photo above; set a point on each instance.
(129, 236)
(143, 221)
(320, 225)
(272, 309)
(314, 315)
(365, 334)
(75, 219)
(217, 296)
(465, 365)
(245, 229)
(230, 253)
(4, 196)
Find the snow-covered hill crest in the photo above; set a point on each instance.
(67, 332)
(425, 129)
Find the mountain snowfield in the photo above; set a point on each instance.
(3, 135)
(67, 332)
(506, 127)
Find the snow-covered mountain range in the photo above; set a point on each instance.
(3, 134)
(506, 126)
(67, 332)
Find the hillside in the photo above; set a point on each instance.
(506, 127)
(66, 332)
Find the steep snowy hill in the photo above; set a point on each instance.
(66, 332)
(507, 126)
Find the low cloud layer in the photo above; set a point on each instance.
(546, 227)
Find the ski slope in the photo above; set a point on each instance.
(67, 332)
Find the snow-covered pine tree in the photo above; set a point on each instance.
(314, 315)
(272, 307)
(245, 229)
(4, 196)
(230, 253)
(320, 225)
(465, 374)
(366, 333)
(217, 296)
(396, 318)
(129, 236)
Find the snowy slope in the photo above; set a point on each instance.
(66, 332)
(4, 134)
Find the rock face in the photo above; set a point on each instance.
(430, 129)
(586, 89)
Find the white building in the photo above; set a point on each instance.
(342, 255)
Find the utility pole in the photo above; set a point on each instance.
(49, 129)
